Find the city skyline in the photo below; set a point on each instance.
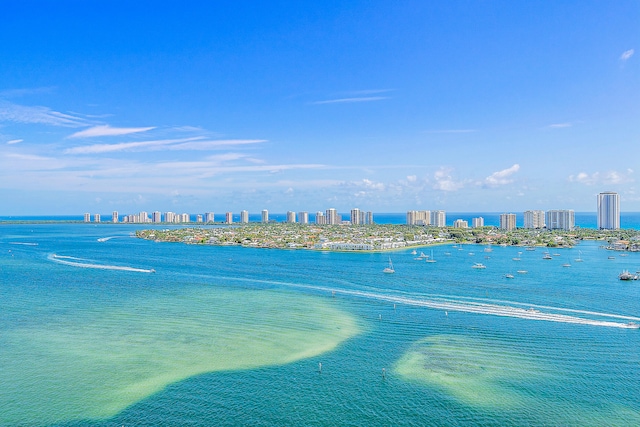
(459, 106)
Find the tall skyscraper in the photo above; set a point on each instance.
(229, 217)
(114, 217)
(265, 215)
(608, 211)
(209, 217)
(320, 218)
(418, 217)
(534, 219)
(87, 217)
(96, 217)
(291, 217)
(303, 217)
(560, 220)
(156, 216)
(508, 221)
(332, 216)
(244, 217)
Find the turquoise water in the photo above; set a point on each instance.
(89, 336)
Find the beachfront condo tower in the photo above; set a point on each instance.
(560, 220)
(534, 219)
(608, 211)
(508, 221)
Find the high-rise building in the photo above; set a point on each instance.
(608, 211)
(418, 217)
(96, 217)
(332, 216)
(460, 223)
(477, 222)
(209, 217)
(244, 217)
(438, 218)
(185, 217)
(369, 217)
(355, 216)
(169, 217)
(291, 217)
(265, 215)
(560, 220)
(114, 217)
(87, 217)
(508, 221)
(320, 218)
(156, 217)
(303, 217)
(229, 218)
(198, 218)
(534, 219)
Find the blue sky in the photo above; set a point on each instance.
(287, 105)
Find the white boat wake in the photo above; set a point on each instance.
(66, 260)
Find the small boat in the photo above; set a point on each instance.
(488, 249)
(611, 257)
(632, 325)
(516, 258)
(508, 276)
(531, 248)
(579, 259)
(532, 310)
(478, 265)
(625, 275)
(566, 265)
(522, 271)
(624, 254)
(556, 254)
(430, 259)
(413, 252)
(389, 269)
(547, 256)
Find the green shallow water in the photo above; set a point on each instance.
(96, 362)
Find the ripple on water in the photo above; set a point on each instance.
(96, 362)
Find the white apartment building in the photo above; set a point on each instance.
(460, 223)
(229, 218)
(534, 219)
(303, 217)
(332, 217)
(508, 221)
(477, 222)
(156, 217)
(438, 219)
(114, 217)
(321, 219)
(418, 217)
(244, 217)
(265, 215)
(209, 217)
(87, 217)
(608, 211)
(291, 217)
(355, 216)
(198, 218)
(96, 217)
(560, 220)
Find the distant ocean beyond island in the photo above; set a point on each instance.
(582, 219)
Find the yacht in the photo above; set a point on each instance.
(547, 255)
(389, 269)
(625, 275)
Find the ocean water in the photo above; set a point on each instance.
(101, 329)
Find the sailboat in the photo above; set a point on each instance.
(389, 269)
(579, 259)
(430, 259)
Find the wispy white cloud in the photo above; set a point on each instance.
(193, 143)
(603, 178)
(626, 55)
(560, 125)
(126, 146)
(15, 141)
(452, 131)
(106, 130)
(502, 177)
(15, 93)
(351, 100)
(10, 112)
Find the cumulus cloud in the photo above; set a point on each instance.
(412, 178)
(626, 55)
(501, 177)
(106, 130)
(603, 178)
(445, 182)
